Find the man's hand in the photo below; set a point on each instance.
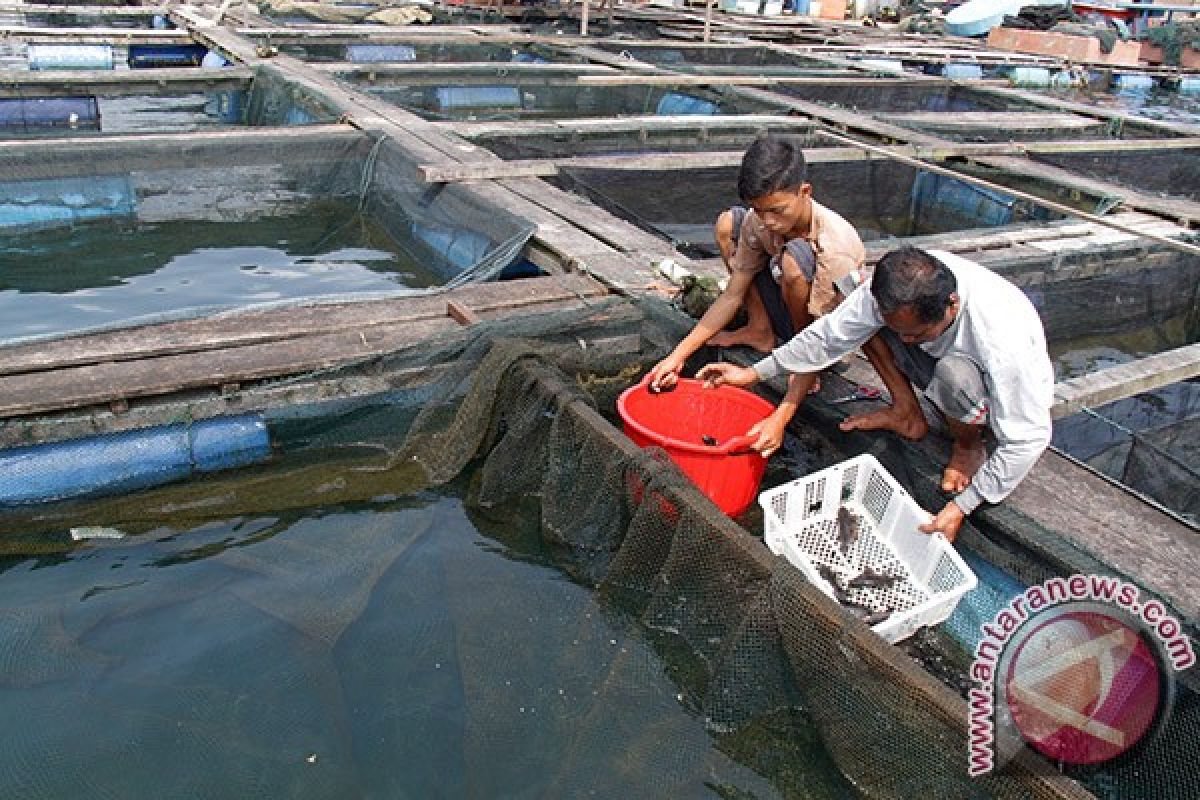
(665, 373)
(768, 434)
(948, 521)
(722, 374)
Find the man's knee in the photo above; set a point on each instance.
(959, 390)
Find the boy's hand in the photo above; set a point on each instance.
(721, 374)
(665, 373)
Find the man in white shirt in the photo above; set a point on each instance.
(972, 345)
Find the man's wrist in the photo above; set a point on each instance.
(968, 500)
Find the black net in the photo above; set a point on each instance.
(1146, 442)
(763, 641)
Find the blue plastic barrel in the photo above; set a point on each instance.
(452, 97)
(676, 103)
(379, 53)
(461, 248)
(123, 462)
(941, 195)
(48, 113)
(1030, 76)
(1133, 82)
(70, 56)
(528, 58)
(962, 72)
(229, 107)
(149, 56)
(64, 201)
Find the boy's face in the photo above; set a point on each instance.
(787, 211)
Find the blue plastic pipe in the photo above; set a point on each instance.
(131, 460)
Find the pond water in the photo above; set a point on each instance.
(406, 646)
(122, 271)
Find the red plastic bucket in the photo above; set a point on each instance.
(683, 419)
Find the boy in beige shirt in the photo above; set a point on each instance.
(794, 262)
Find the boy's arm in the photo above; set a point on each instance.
(719, 314)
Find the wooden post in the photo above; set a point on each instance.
(708, 4)
(583, 17)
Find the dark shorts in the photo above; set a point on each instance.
(954, 383)
(772, 294)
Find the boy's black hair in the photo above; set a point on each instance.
(912, 277)
(771, 164)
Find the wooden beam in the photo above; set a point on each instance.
(441, 70)
(1125, 380)
(675, 79)
(630, 124)
(106, 83)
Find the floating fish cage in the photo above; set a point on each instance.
(722, 60)
(409, 534)
(134, 106)
(500, 95)
(1149, 442)
(963, 114)
(381, 50)
(881, 199)
(189, 226)
(638, 135)
(1174, 171)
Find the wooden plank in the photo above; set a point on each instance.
(124, 82)
(436, 70)
(675, 79)
(1125, 380)
(279, 324)
(649, 123)
(994, 120)
(461, 313)
(76, 387)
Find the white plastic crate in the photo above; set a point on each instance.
(801, 524)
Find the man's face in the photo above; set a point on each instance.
(785, 211)
(911, 330)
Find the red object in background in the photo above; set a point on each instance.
(682, 420)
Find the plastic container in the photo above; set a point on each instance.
(23, 114)
(683, 419)
(451, 97)
(70, 56)
(675, 103)
(155, 56)
(1030, 76)
(963, 72)
(800, 523)
(380, 53)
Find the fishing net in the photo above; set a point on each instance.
(1146, 442)
(521, 412)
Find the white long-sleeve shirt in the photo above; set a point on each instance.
(996, 327)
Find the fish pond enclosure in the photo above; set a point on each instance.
(311, 334)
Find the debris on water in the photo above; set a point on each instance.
(847, 529)
(870, 579)
(95, 532)
(311, 758)
(711, 441)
